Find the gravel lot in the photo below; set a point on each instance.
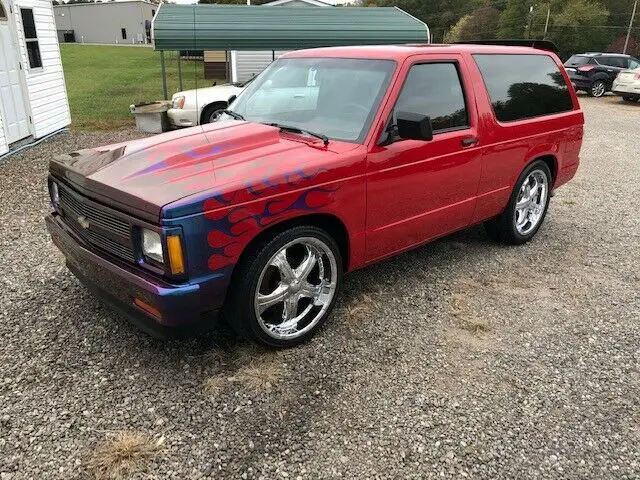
(460, 359)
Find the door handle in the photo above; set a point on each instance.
(469, 142)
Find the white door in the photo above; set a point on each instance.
(14, 115)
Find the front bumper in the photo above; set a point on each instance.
(120, 284)
(180, 117)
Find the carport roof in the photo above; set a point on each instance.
(235, 27)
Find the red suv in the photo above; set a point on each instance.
(331, 160)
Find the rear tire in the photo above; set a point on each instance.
(525, 213)
(597, 89)
(285, 287)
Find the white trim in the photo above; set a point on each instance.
(234, 66)
(418, 20)
(153, 25)
(316, 3)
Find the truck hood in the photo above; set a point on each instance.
(142, 176)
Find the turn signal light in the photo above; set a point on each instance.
(147, 308)
(176, 258)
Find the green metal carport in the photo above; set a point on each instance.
(237, 27)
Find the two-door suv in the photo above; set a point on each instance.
(331, 160)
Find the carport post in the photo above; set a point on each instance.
(164, 76)
(179, 71)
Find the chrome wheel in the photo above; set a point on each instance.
(532, 200)
(598, 89)
(295, 288)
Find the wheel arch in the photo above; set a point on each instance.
(209, 106)
(552, 163)
(328, 222)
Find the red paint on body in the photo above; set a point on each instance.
(225, 183)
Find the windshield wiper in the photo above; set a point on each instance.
(288, 128)
(233, 114)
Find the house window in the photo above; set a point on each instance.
(3, 13)
(31, 38)
(124, 33)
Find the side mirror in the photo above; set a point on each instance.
(414, 126)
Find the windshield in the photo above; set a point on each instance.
(577, 61)
(336, 97)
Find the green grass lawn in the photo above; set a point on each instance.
(102, 81)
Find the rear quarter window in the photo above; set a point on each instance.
(524, 86)
(578, 60)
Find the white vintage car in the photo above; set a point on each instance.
(202, 105)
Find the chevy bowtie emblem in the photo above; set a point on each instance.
(84, 223)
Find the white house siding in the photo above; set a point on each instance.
(103, 22)
(4, 148)
(247, 63)
(46, 89)
(251, 62)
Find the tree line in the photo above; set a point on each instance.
(575, 26)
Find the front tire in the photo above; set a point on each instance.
(211, 112)
(285, 287)
(527, 207)
(598, 89)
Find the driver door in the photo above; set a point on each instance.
(418, 190)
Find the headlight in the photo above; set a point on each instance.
(178, 102)
(152, 245)
(54, 193)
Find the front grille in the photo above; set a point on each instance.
(96, 224)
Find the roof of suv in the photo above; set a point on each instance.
(399, 52)
(599, 54)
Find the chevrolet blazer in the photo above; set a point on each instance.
(330, 160)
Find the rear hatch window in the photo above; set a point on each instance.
(577, 61)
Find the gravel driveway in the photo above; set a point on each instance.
(460, 359)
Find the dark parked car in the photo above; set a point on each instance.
(595, 72)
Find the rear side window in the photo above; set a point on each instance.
(524, 86)
(434, 89)
(618, 62)
(633, 64)
(577, 61)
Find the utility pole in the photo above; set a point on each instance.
(546, 24)
(626, 42)
(530, 21)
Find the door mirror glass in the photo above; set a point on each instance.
(414, 126)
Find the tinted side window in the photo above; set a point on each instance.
(619, 62)
(524, 86)
(633, 64)
(434, 89)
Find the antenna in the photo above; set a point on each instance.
(195, 67)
